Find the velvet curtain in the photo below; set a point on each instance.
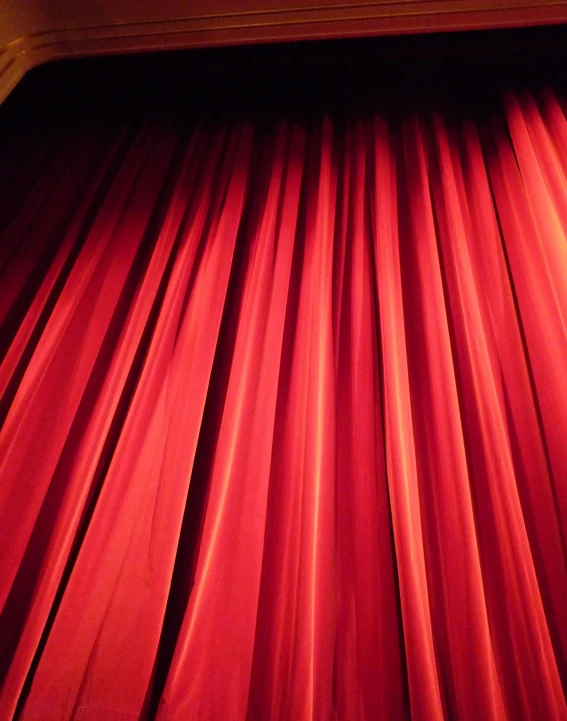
(284, 420)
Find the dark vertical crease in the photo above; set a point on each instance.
(435, 172)
(264, 616)
(337, 282)
(342, 146)
(530, 372)
(369, 208)
(226, 150)
(407, 160)
(192, 525)
(490, 600)
(527, 511)
(549, 615)
(278, 225)
(37, 544)
(314, 156)
(553, 622)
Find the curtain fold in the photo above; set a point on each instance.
(284, 419)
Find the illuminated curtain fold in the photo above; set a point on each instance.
(285, 421)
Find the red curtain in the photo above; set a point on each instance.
(285, 420)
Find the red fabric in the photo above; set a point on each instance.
(285, 422)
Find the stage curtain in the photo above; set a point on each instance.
(284, 419)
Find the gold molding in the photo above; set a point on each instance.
(381, 17)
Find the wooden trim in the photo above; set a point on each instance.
(339, 20)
